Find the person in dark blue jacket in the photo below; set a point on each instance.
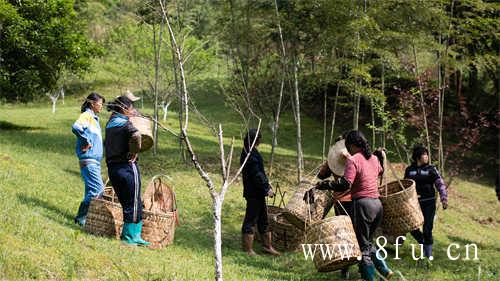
(123, 143)
(89, 151)
(255, 189)
(427, 180)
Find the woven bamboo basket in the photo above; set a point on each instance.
(286, 237)
(105, 218)
(144, 126)
(300, 213)
(159, 214)
(338, 234)
(332, 232)
(402, 212)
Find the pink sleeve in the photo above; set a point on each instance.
(350, 170)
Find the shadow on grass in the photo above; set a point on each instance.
(72, 172)
(462, 242)
(8, 126)
(53, 212)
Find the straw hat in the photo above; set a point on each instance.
(131, 96)
(336, 159)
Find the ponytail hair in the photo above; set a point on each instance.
(93, 97)
(357, 139)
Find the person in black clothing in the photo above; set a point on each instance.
(123, 143)
(255, 189)
(427, 180)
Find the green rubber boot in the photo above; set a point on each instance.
(382, 267)
(81, 215)
(368, 272)
(127, 233)
(137, 239)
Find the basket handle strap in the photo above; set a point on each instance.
(282, 200)
(342, 206)
(396, 176)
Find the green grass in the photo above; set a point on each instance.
(40, 189)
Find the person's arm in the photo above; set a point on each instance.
(254, 171)
(339, 185)
(80, 127)
(441, 187)
(342, 183)
(135, 139)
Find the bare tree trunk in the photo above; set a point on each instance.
(440, 113)
(442, 90)
(383, 106)
(300, 157)
(165, 109)
(357, 101)
(181, 102)
(217, 208)
(422, 103)
(274, 142)
(62, 94)
(156, 48)
(53, 99)
(217, 198)
(324, 127)
(275, 129)
(334, 113)
(373, 123)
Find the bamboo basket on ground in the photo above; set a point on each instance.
(143, 124)
(286, 237)
(402, 212)
(300, 213)
(159, 214)
(105, 218)
(338, 234)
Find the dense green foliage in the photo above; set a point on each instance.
(39, 42)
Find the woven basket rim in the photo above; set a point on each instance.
(403, 181)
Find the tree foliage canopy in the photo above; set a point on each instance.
(39, 41)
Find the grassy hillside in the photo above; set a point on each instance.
(40, 189)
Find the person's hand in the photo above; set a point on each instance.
(445, 204)
(86, 148)
(309, 196)
(133, 157)
(345, 154)
(270, 193)
(323, 185)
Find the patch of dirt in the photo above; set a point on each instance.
(5, 158)
(486, 221)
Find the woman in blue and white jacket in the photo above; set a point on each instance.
(89, 149)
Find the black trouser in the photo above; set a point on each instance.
(256, 213)
(126, 182)
(428, 206)
(367, 217)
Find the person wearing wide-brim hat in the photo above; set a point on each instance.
(123, 143)
(255, 189)
(343, 205)
(361, 174)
